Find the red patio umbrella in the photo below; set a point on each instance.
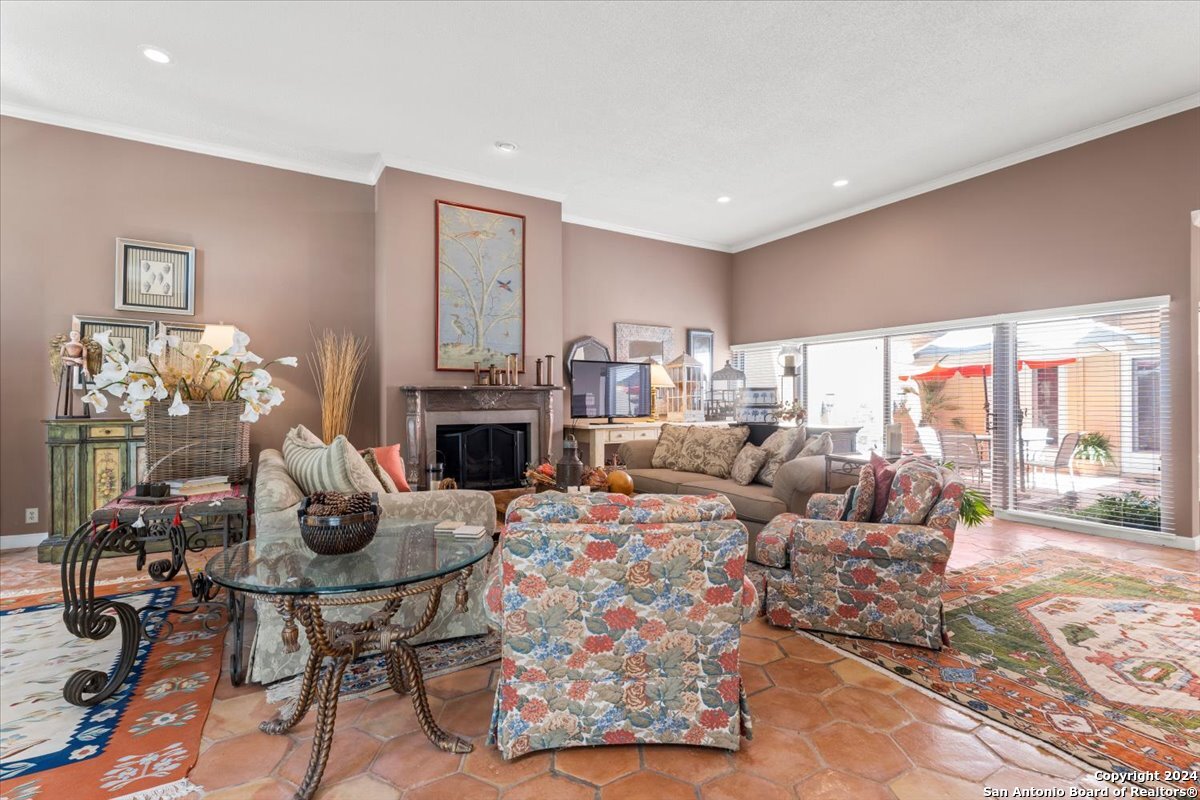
(940, 373)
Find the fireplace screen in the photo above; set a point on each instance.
(484, 456)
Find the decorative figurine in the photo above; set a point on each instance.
(70, 356)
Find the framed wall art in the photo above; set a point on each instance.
(187, 332)
(155, 277)
(130, 336)
(639, 342)
(480, 287)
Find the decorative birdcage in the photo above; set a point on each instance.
(686, 402)
(725, 392)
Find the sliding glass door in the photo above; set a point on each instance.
(1053, 416)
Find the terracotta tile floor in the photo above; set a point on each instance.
(825, 726)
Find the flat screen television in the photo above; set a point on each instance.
(609, 390)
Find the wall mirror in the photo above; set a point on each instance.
(639, 342)
(587, 348)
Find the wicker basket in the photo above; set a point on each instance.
(210, 440)
(337, 536)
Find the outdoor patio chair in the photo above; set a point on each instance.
(962, 448)
(1063, 459)
(929, 442)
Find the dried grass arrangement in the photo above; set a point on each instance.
(337, 365)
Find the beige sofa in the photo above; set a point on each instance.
(755, 504)
(276, 499)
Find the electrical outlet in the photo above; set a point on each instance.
(31, 515)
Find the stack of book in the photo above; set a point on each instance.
(457, 529)
(209, 484)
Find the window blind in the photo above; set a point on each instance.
(1087, 435)
(760, 363)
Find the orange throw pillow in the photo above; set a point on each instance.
(390, 460)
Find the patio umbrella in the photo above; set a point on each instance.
(940, 372)
(1055, 342)
(1051, 340)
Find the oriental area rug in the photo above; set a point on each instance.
(138, 744)
(1100, 658)
(368, 673)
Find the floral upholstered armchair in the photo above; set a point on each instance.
(621, 621)
(834, 571)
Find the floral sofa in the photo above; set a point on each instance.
(879, 580)
(621, 621)
(276, 499)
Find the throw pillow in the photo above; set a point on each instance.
(917, 486)
(747, 464)
(712, 450)
(781, 446)
(884, 474)
(851, 494)
(389, 485)
(863, 504)
(817, 446)
(392, 462)
(334, 468)
(670, 444)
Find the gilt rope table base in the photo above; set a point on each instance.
(334, 645)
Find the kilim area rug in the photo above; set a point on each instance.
(1100, 658)
(369, 673)
(138, 744)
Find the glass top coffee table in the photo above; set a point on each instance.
(404, 560)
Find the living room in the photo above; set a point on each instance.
(884, 316)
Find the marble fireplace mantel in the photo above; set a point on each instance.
(426, 407)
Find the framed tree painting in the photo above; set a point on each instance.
(480, 287)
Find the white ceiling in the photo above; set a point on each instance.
(636, 115)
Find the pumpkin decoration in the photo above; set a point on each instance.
(620, 481)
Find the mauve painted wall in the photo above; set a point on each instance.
(277, 252)
(614, 277)
(1106, 220)
(405, 255)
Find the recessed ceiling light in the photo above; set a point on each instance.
(156, 55)
(506, 147)
(840, 182)
(724, 198)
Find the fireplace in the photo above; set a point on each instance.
(532, 410)
(486, 456)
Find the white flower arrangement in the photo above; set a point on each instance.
(201, 373)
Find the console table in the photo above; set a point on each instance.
(594, 440)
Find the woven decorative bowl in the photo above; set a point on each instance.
(337, 536)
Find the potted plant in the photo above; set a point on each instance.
(1094, 447)
(213, 396)
(793, 412)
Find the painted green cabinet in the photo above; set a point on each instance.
(92, 461)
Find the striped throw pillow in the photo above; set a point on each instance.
(317, 467)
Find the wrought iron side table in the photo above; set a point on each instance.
(126, 526)
(405, 560)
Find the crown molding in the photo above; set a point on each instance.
(644, 234)
(462, 176)
(1063, 142)
(371, 176)
(182, 143)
